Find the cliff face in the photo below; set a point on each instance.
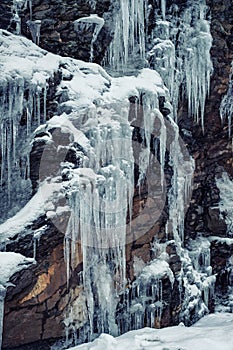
(42, 297)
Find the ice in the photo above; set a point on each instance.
(226, 107)
(34, 27)
(101, 199)
(181, 54)
(224, 184)
(95, 20)
(163, 8)
(145, 304)
(2, 298)
(129, 35)
(179, 193)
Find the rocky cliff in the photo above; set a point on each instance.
(41, 297)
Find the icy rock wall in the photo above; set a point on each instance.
(15, 106)
(178, 48)
(226, 107)
(23, 95)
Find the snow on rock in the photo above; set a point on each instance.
(10, 263)
(212, 332)
(30, 212)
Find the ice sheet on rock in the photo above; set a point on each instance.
(226, 107)
(180, 191)
(89, 21)
(224, 184)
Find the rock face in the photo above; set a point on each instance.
(41, 296)
(57, 32)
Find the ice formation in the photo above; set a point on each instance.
(226, 107)
(23, 101)
(129, 35)
(100, 187)
(179, 49)
(181, 54)
(81, 24)
(142, 303)
(34, 27)
(17, 6)
(179, 194)
(224, 185)
(101, 192)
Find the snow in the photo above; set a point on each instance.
(10, 263)
(212, 332)
(29, 213)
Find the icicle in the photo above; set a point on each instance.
(2, 298)
(129, 35)
(44, 102)
(98, 23)
(163, 9)
(34, 27)
(181, 184)
(99, 205)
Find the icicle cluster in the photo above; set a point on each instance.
(128, 43)
(20, 100)
(101, 194)
(200, 255)
(142, 303)
(181, 54)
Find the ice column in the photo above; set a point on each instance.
(2, 298)
(181, 54)
(100, 198)
(226, 107)
(34, 27)
(13, 107)
(178, 196)
(129, 35)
